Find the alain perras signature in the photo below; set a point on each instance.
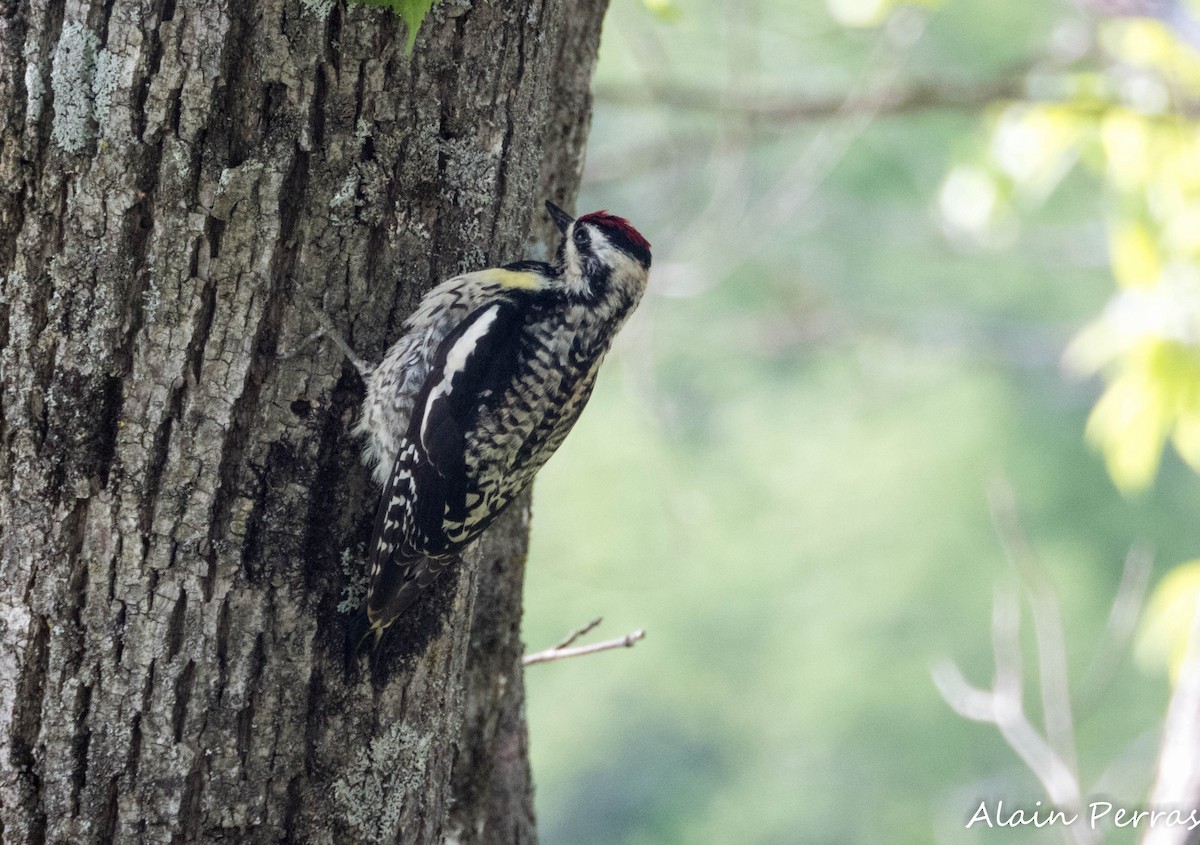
(1095, 814)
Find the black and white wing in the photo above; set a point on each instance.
(430, 493)
(395, 383)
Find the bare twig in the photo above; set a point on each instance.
(288, 354)
(1122, 622)
(578, 632)
(561, 653)
(327, 328)
(1178, 781)
(1003, 707)
(1051, 757)
(1047, 621)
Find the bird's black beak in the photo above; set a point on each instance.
(561, 219)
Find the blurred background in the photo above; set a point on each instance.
(921, 341)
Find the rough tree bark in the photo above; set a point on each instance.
(182, 511)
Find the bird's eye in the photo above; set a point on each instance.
(581, 236)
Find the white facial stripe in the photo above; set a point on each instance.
(456, 361)
(603, 249)
(571, 278)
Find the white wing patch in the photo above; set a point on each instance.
(456, 361)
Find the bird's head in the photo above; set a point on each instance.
(603, 259)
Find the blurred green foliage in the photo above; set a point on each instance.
(856, 324)
(1114, 116)
(1169, 617)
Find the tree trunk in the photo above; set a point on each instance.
(183, 513)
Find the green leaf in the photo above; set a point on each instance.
(1167, 623)
(664, 10)
(1153, 395)
(412, 11)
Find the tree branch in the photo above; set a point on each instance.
(921, 96)
(1178, 779)
(1003, 707)
(563, 649)
(1121, 626)
(578, 632)
(1047, 620)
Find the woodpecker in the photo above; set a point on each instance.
(492, 371)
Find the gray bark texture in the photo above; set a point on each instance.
(183, 513)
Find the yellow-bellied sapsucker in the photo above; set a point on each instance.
(492, 372)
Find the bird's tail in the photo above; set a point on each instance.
(399, 583)
(359, 631)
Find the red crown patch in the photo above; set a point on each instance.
(611, 221)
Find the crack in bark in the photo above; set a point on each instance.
(245, 723)
(119, 623)
(73, 645)
(208, 298)
(133, 760)
(174, 638)
(222, 649)
(191, 805)
(83, 738)
(105, 16)
(182, 697)
(112, 811)
(237, 68)
(234, 444)
(26, 725)
(506, 141)
(140, 226)
(156, 463)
